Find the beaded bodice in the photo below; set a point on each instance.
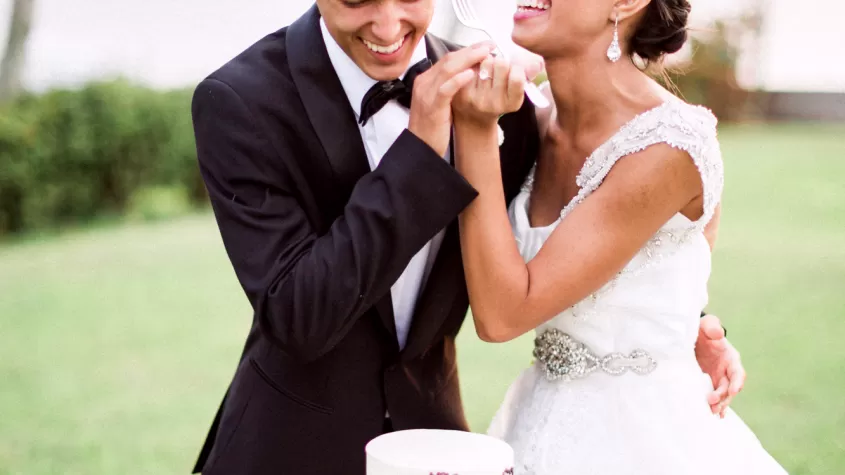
(655, 300)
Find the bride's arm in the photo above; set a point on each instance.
(595, 241)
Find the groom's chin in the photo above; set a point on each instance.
(385, 72)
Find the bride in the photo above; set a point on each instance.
(611, 254)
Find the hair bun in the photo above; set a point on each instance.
(663, 29)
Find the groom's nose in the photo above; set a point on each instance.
(386, 25)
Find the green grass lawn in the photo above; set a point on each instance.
(117, 344)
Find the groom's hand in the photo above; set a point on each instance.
(431, 105)
(721, 361)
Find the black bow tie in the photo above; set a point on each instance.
(385, 91)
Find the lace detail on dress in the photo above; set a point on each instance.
(528, 185)
(680, 125)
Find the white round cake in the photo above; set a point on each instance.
(438, 452)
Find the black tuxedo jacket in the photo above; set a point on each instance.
(317, 240)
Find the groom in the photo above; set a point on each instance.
(337, 203)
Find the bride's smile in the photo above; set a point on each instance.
(527, 9)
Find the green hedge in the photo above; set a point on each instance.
(71, 155)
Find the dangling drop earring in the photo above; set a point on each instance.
(614, 53)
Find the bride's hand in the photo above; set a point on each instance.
(499, 88)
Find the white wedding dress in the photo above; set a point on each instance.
(615, 388)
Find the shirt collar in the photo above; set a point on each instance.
(355, 82)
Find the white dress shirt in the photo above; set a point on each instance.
(378, 135)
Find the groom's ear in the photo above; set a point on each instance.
(627, 9)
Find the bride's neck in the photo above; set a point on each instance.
(592, 94)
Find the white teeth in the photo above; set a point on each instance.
(384, 49)
(534, 4)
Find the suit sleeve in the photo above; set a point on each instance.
(308, 290)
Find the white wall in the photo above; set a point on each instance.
(177, 42)
(164, 42)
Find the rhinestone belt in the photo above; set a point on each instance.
(564, 358)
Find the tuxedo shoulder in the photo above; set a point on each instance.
(261, 68)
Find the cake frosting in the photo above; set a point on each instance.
(438, 452)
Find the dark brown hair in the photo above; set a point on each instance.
(662, 30)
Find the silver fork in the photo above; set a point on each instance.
(465, 13)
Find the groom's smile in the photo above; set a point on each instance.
(386, 52)
(378, 35)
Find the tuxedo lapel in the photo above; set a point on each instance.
(331, 116)
(326, 103)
